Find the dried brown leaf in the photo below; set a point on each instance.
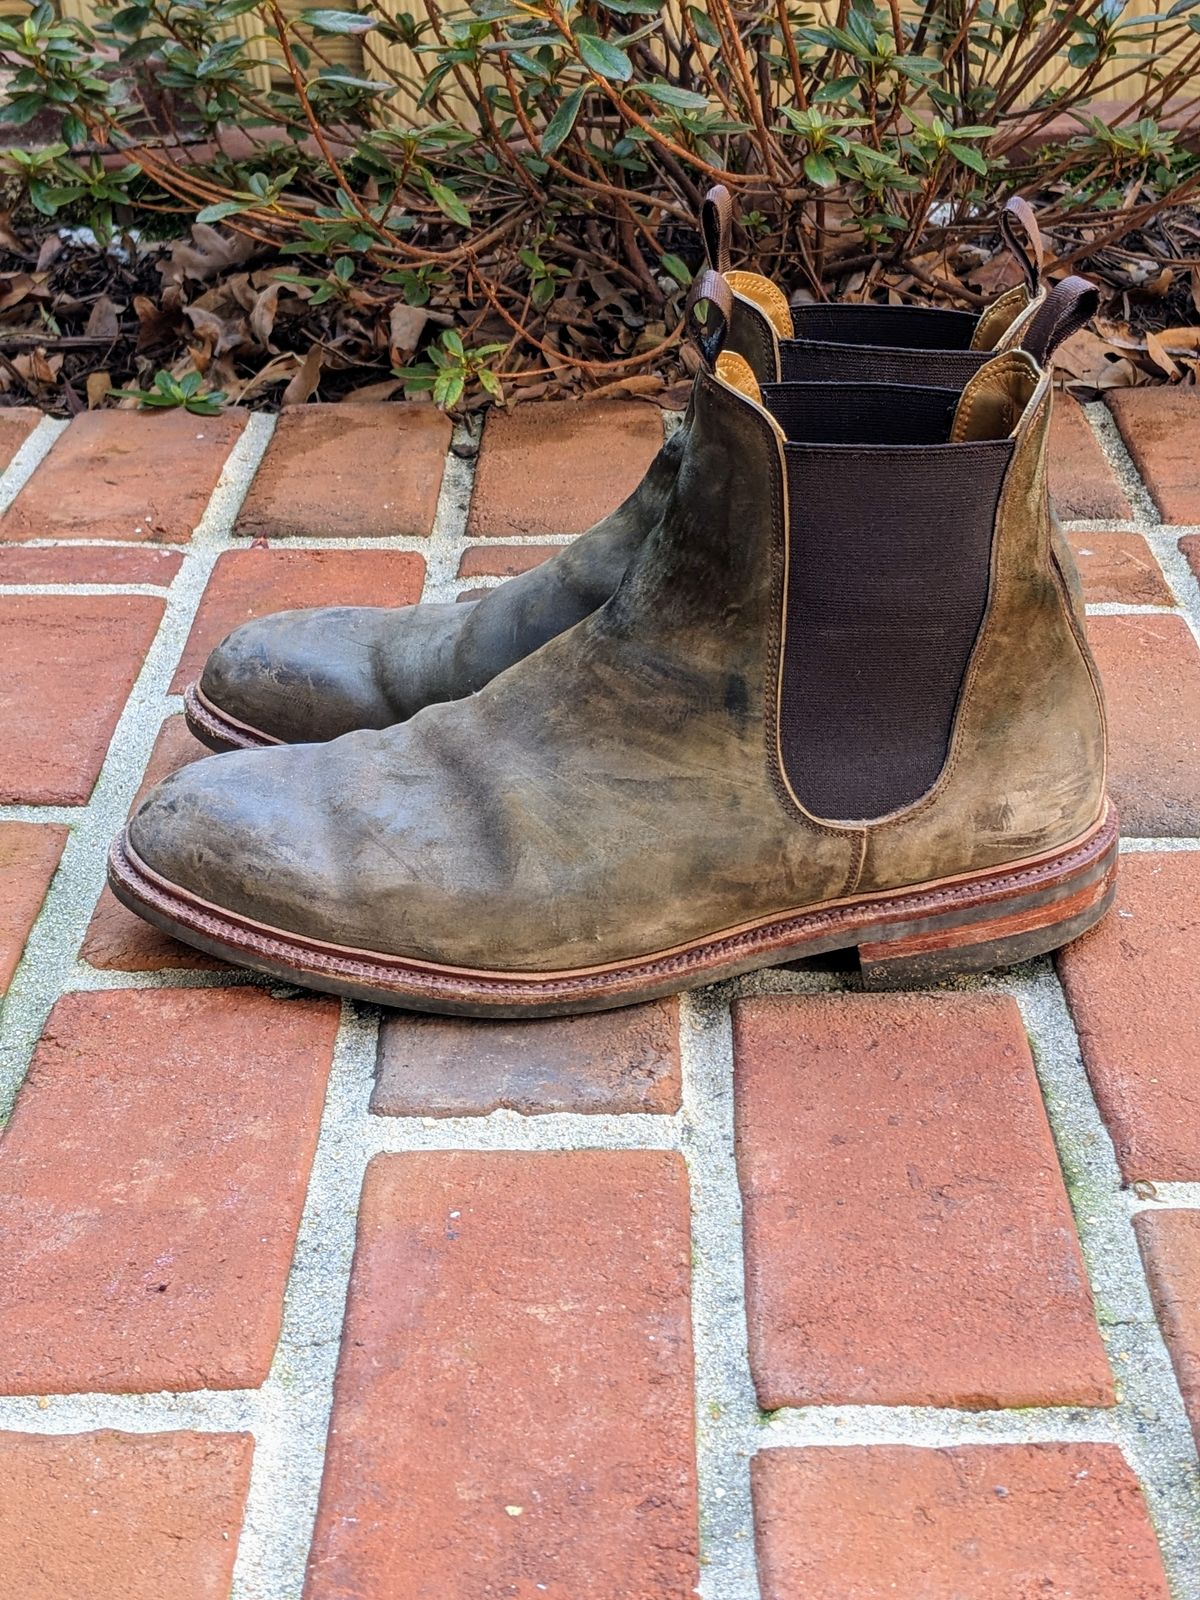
(405, 327)
(304, 385)
(208, 253)
(98, 385)
(104, 320)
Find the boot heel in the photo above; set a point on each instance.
(992, 935)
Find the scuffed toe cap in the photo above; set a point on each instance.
(305, 675)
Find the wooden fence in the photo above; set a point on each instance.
(347, 50)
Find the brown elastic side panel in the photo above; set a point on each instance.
(889, 554)
(911, 327)
(861, 413)
(817, 361)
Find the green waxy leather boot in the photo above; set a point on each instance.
(841, 699)
(303, 675)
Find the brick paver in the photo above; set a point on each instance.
(614, 1061)
(1158, 425)
(583, 458)
(1082, 483)
(125, 475)
(513, 1407)
(992, 1522)
(29, 853)
(1151, 671)
(1170, 1245)
(503, 560)
(121, 1516)
(1133, 985)
(908, 1237)
(115, 938)
(516, 1407)
(16, 424)
(86, 563)
(1190, 545)
(67, 663)
(1119, 567)
(349, 471)
(151, 1181)
(255, 582)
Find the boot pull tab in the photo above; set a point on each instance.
(716, 225)
(709, 308)
(1068, 306)
(1031, 261)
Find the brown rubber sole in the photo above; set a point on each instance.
(212, 727)
(909, 936)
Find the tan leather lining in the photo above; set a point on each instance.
(766, 296)
(735, 372)
(1001, 316)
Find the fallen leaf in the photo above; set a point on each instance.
(370, 393)
(1157, 354)
(304, 385)
(98, 385)
(104, 321)
(405, 327)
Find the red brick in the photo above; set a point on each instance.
(1191, 549)
(1160, 426)
(1082, 483)
(992, 1522)
(151, 1183)
(115, 938)
(121, 1516)
(29, 854)
(558, 466)
(346, 470)
(1133, 985)
(908, 1236)
(83, 563)
(1170, 1245)
(125, 475)
(255, 582)
(1121, 567)
(16, 424)
(513, 1406)
(1151, 671)
(503, 560)
(448, 1067)
(66, 665)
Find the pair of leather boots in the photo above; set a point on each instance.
(821, 683)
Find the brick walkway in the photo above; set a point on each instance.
(685, 1294)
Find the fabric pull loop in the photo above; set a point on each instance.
(1031, 261)
(716, 225)
(1068, 306)
(709, 308)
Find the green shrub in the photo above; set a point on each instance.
(534, 179)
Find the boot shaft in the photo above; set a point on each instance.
(878, 569)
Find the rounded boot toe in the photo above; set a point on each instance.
(303, 675)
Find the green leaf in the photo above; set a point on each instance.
(338, 21)
(228, 9)
(705, 29)
(446, 200)
(452, 341)
(970, 158)
(604, 59)
(562, 122)
(223, 208)
(678, 269)
(668, 95)
(820, 170)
